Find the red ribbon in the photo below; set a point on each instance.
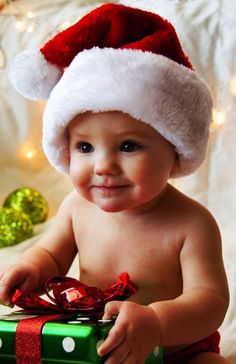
(28, 338)
(69, 296)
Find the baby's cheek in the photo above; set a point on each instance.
(80, 176)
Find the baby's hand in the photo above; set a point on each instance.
(135, 334)
(22, 276)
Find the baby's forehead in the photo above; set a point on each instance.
(114, 122)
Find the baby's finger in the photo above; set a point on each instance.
(28, 284)
(9, 277)
(119, 354)
(115, 337)
(10, 305)
(4, 270)
(112, 309)
(8, 283)
(4, 296)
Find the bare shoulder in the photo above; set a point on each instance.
(69, 200)
(196, 220)
(71, 203)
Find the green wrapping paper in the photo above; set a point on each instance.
(71, 340)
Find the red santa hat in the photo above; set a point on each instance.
(118, 58)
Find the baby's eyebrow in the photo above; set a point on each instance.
(134, 135)
(78, 134)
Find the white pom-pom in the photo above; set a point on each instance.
(32, 76)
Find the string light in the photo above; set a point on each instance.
(30, 154)
(30, 14)
(218, 118)
(27, 151)
(232, 86)
(30, 28)
(20, 25)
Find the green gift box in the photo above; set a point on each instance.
(70, 340)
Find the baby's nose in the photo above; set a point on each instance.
(106, 165)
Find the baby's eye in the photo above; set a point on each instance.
(129, 146)
(85, 147)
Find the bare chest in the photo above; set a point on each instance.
(150, 258)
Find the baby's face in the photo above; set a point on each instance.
(117, 162)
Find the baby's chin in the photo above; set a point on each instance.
(113, 204)
(109, 207)
(119, 208)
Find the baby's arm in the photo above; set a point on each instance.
(195, 314)
(201, 308)
(52, 255)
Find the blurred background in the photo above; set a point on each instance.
(207, 32)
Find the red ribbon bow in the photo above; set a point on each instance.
(69, 295)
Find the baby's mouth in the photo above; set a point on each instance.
(110, 187)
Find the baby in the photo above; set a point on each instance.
(126, 112)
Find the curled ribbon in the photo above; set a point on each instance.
(71, 295)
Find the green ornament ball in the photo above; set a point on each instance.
(15, 226)
(29, 201)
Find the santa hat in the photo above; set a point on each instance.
(118, 58)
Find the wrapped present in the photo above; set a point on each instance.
(68, 340)
(66, 330)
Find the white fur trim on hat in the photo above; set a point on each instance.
(170, 97)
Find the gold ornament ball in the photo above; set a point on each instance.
(29, 201)
(15, 226)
